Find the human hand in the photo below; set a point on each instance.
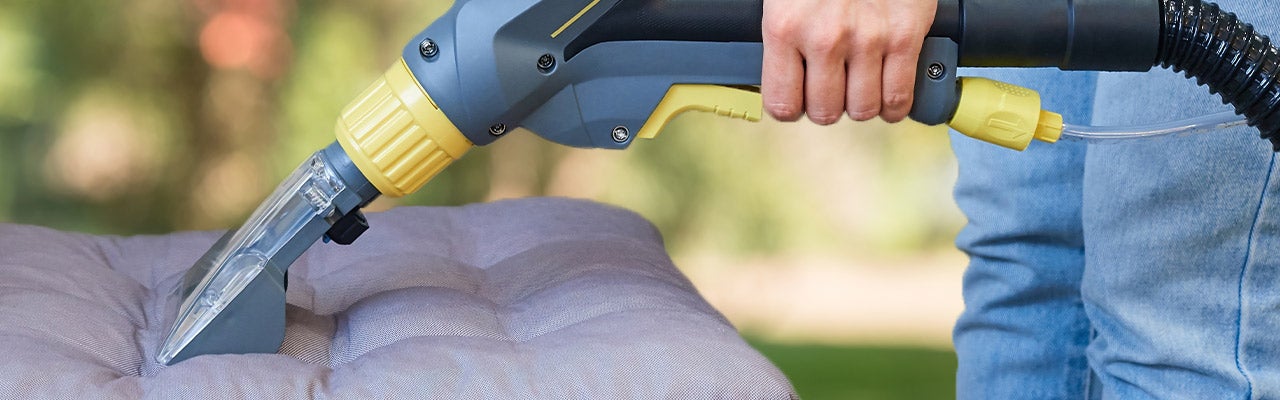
(825, 57)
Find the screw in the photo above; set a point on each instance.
(621, 134)
(546, 63)
(936, 71)
(498, 129)
(428, 48)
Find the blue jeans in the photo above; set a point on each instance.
(1142, 269)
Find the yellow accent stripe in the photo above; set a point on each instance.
(574, 19)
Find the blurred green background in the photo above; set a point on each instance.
(149, 116)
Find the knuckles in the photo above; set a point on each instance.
(896, 107)
(783, 28)
(827, 42)
(783, 112)
(871, 40)
(862, 113)
(893, 117)
(824, 118)
(904, 40)
(897, 101)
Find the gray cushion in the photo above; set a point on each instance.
(539, 298)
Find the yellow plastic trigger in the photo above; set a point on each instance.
(1003, 114)
(729, 101)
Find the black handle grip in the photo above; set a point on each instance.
(1109, 35)
(1094, 35)
(674, 20)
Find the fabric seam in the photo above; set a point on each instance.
(1244, 269)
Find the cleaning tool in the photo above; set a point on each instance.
(603, 73)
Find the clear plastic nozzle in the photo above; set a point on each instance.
(223, 273)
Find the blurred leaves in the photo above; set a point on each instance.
(831, 372)
(147, 116)
(851, 190)
(20, 77)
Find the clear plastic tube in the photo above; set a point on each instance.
(1201, 124)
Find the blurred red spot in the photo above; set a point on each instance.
(234, 40)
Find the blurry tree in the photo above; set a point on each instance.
(104, 105)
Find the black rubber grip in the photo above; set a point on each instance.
(1095, 35)
(1107, 35)
(674, 20)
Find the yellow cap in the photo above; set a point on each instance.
(397, 135)
(1003, 114)
(1049, 129)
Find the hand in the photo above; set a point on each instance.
(825, 57)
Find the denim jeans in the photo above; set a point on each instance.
(1129, 270)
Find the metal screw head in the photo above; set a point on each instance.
(428, 48)
(621, 134)
(546, 63)
(498, 129)
(936, 71)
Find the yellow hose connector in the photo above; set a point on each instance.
(397, 136)
(1003, 114)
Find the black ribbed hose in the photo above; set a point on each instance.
(1227, 55)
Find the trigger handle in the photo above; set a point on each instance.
(739, 102)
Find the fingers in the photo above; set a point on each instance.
(863, 93)
(899, 82)
(782, 82)
(828, 57)
(824, 92)
(901, 57)
(782, 74)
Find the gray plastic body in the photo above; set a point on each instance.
(248, 324)
(937, 95)
(486, 71)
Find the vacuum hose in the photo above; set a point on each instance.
(1227, 55)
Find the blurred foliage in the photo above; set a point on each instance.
(834, 372)
(148, 116)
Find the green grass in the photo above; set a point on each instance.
(833, 372)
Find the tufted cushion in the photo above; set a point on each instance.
(539, 298)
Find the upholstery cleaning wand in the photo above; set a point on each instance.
(602, 73)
